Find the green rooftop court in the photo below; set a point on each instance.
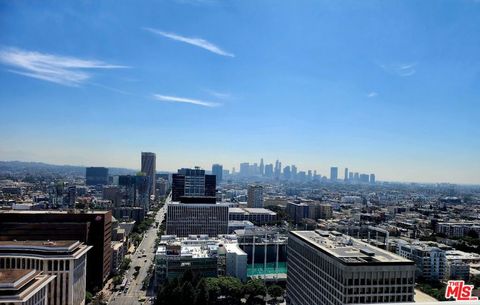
(259, 269)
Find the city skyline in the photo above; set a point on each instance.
(393, 91)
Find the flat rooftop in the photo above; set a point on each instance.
(54, 245)
(251, 211)
(349, 250)
(13, 278)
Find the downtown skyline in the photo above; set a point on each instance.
(389, 88)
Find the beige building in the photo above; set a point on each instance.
(23, 287)
(334, 269)
(66, 260)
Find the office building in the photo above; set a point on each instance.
(255, 196)
(258, 216)
(297, 211)
(333, 173)
(217, 170)
(278, 169)
(66, 260)
(372, 178)
(23, 287)
(334, 269)
(149, 167)
(192, 182)
(93, 228)
(431, 261)
(205, 256)
(350, 176)
(185, 219)
(262, 167)
(345, 175)
(96, 176)
(269, 170)
(317, 210)
(364, 178)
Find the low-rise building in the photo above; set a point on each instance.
(430, 261)
(258, 216)
(206, 256)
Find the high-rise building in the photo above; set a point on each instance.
(334, 173)
(332, 268)
(262, 167)
(294, 172)
(93, 228)
(217, 170)
(278, 169)
(255, 196)
(356, 177)
(245, 169)
(192, 182)
(66, 260)
(345, 176)
(149, 167)
(269, 170)
(350, 176)
(24, 287)
(364, 178)
(309, 174)
(287, 173)
(372, 178)
(96, 176)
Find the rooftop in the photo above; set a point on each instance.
(56, 245)
(14, 278)
(347, 249)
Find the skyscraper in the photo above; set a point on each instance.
(278, 169)
(345, 177)
(96, 176)
(334, 173)
(294, 172)
(269, 170)
(217, 170)
(286, 173)
(244, 169)
(149, 160)
(372, 178)
(255, 196)
(262, 167)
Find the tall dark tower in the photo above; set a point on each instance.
(149, 161)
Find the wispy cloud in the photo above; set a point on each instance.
(217, 94)
(198, 42)
(64, 70)
(176, 99)
(406, 69)
(372, 94)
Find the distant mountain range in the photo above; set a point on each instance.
(18, 167)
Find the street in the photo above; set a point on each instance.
(143, 259)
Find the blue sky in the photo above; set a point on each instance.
(390, 87)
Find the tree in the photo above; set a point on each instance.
(275, 291)
(187, 295)
(201, 295)
(88, 297)
(255, 291)
(472, 234)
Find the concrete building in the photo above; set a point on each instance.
(255, 196)
(23, 287)
(297, 211)
(258, 216)
(93, 228)
(430, 261)
(185, 219)
(207, 256)
(66, 260)
(149, 167)
(457, 229)
(332, 268)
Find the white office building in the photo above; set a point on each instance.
(333, 269)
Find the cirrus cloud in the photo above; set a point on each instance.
(177, 99)
(63, 70)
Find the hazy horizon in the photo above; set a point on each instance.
(384, 87)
